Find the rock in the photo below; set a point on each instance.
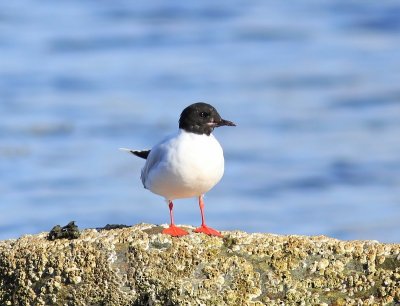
(140, 266)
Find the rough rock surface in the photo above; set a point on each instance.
(141, 266)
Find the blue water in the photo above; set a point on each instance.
(312, 85)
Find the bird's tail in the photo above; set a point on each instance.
(142, 154)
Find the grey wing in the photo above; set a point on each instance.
(153, 159)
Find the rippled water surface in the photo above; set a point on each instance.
(313, 87)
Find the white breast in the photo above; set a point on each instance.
(183, 166)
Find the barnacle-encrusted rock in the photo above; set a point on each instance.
(141, 266)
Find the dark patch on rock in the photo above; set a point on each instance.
(154, 230)
(70, 231)
(229, 242)
(112, 226)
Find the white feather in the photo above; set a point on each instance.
(183, 165)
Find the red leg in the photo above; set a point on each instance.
(203, 227)
(173, 230)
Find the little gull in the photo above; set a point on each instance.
(186, 164)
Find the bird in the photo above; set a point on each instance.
(186, 164)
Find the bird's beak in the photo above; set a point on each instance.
(223, 122)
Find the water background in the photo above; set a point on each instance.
(314, 87)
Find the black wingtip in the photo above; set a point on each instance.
(141, 154)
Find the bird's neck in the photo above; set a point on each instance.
(197, 130)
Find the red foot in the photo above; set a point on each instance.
(174, 231)
(208, 231)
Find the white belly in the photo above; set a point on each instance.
(184, 166)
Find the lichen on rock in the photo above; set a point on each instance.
(140, 266)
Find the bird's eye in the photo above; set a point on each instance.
(204, 114)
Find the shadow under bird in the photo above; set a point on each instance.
(186, 164)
